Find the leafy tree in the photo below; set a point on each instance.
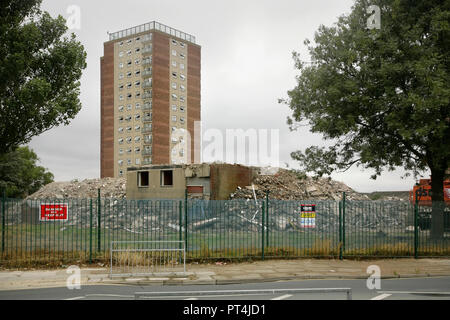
(20, 175)
(380, 96)
(39, 71)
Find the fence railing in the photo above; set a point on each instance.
(59, 230)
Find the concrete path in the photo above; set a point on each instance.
(227, 273)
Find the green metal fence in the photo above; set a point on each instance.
(216, 229)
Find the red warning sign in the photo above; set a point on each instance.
(52, 212)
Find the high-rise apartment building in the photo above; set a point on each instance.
(150, 98)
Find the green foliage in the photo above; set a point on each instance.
(380, 96)
(40, 70)
(20, 175)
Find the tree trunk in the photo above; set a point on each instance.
(438, 205)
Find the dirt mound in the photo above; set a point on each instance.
(109, 188)
(290, 185)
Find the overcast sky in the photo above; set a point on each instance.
(246, 67)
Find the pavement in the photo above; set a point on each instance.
(233, 273)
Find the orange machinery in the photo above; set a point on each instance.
(422, 190)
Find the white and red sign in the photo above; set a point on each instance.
(54, 212)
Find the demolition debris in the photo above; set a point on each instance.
(290, 185)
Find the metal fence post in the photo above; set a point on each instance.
(343, 223)
(262, 231)
(416, 227)
(98, 221)
(3, 220)
(180, 224)
(90, 231)
(267, 219)
(340, 230)
(185, 220)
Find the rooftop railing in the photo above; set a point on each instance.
(151, 26)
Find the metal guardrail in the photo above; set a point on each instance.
(146, 258)
(139, 295)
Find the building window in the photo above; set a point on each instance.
(137, 150)
(129, 63)
(174, 97)
(128, 74)
(129, 85)
(120, 119)
(129, 151)
(121, 97)
(137, 83)
(182, 119)
(137, 50)
(121, 76)
(182, 76)
(120, 130)
(120, 151)
(174, 75)
(174, 42)
(121, 65)
(129, 162)
(137, 139)
(138, 161)
(166, 178)
(143, 179)
(120, 162)
(182, 98)
(174, 86)
(120, 140)
(174, 64)
(129, 52)
(137, 73)
(174, 118)
(120, 108)
(182, 56)
(137, 117)
(182, 44)
(182, 88)
(121, 43)
(120, 173)
(129, 140)
(137, 128)
(174, 107)
(174, 53)
(181, 109)
(129, 96)
(138, 106)
(129, 107)
(182, 66)
(129, 41)
(138, 95)
(128, 129)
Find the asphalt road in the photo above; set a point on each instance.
(392, 289)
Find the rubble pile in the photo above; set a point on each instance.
(288, 185)
(109, 188)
